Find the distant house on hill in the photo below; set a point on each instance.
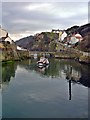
(4, 36)
(8, 39)
(63, 36)
(73, 40)
(79, 37)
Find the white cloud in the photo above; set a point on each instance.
(37, 6)
(19, 17)
(18, 36)
(45, 1)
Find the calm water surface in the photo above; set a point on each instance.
(58, 91)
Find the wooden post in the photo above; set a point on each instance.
(69, 89)
(70, 95)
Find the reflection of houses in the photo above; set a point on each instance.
(73, 74)
(78, 77)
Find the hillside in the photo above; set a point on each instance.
(40, 42)
(26, 42)
(84, 29)
(85, 32)
(46, 41)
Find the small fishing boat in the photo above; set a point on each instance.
(43, 62)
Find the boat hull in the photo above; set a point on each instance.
(41, 64)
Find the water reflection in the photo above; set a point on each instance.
(69, 70)
(8, 72)
(65, 69)
(0, 90)
(30, 88)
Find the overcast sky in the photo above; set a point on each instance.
(22, 19)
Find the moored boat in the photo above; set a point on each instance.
(43, 62)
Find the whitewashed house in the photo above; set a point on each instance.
(63, 36)
(73, 40)
(8, 39)
(79, 37)
(4, 36)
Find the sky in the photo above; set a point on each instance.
(23, 19)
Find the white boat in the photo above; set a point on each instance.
(43, 62)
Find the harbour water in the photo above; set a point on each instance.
(57, 91)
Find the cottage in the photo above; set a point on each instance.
(4, 36)
(79, 37)
(63, 36)
(8, 39)
(73, 40)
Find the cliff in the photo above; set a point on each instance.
(8, 48)
(26, 42)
